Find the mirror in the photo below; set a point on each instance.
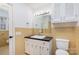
(43, 22)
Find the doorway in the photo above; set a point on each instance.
(4, 32)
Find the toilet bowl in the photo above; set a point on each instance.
(61, 52)
(62, 46)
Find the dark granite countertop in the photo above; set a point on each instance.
(45, 39)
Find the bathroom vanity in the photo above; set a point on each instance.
(38, 45)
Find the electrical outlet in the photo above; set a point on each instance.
(18, 33)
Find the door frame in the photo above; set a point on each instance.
(9, 7)
(11, 31)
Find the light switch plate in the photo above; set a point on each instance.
(18, 33)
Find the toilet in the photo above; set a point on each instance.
(62, 46)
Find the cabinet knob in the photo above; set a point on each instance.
(47, 49)
(43, 42)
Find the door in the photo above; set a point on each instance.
(11, 37)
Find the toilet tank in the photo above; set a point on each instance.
(62, 44)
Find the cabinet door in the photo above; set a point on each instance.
(45, 43)
(56, 13)
(45, 50)
(62, 10)
(36, 50)
(59, 12)
(76, 10)
(69, 12)
(32, 45)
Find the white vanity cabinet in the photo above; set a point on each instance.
(38, 47)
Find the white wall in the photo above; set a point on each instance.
(22, 14)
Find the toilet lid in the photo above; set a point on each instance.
(61, 52)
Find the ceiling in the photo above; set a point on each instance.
(39, 6)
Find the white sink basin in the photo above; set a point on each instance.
(38, 36)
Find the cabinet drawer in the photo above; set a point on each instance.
(45, 44)
(45, 51)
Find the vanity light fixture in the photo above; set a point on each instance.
(44, 12)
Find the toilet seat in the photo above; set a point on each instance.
(61, 52)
